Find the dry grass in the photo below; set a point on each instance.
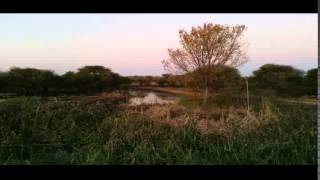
(100, 133)
(302, 100)
(222, 121)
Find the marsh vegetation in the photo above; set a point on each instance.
(106, 130)
(203, 116)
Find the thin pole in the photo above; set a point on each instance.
(247, 93)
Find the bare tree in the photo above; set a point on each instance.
(205, 47)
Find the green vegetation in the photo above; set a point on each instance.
(268, 80)
(103, 130)
(311, 82)
(36, 82)
(88, 116)
(281, 80)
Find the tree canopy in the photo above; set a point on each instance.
(204, 48)
(311, 82)
(88, 79)
(282, 79)
(208, 45)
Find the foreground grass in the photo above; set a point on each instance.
(38, 131)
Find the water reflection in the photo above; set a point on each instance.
(149, 99)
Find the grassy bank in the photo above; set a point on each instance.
(43, 131)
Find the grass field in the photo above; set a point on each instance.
(85, 130)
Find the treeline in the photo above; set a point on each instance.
(87, 80)
(284, 80)
(269, 79)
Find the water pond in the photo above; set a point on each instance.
(151, 97)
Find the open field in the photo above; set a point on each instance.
(105, 130)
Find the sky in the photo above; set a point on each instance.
(135, 44)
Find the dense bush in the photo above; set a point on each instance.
(88, 79)
(268, 80)
(4, 81)
(222, 79)
(279, 80)
(30, 81)
(310, 82)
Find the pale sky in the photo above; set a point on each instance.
(135, 44)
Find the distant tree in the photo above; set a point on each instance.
(92, 79)
(225, 78)
(148, 80)
(162, 81)
(310, 82)
(68, 83)
(283, 80)
(166, 75)
(207, 46)
(4, 82)
(123, 82)
(48, 80)
(30, 81)
(88, 79)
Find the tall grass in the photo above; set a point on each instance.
(37, 131)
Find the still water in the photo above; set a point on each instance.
(149, 98)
